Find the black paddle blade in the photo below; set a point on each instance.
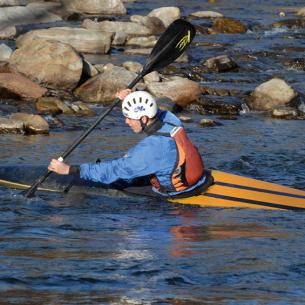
(172, 43)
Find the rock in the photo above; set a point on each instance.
(102, 88)
(155, 25)
(220, 63)
(152, 77)
(33, 124)
(146, 42)
(284, 113)
(10, 126)
(185, 119)
(271, 94)
(8, 32)
(119, 38)
(18, 87)
(301, 12)
(130, 28)
(51, 105)
(82, 109)
(206, 14)
(89, 70)
(4, 3)
(166, 14)
(30, 14)
(225, 25)
(133, 66)
(290, 23)
(103, 7)
(82, 40)
(215, 105)
(45, 60)
(138, 51)
(5, 52)
(209, 123)
(181, 91)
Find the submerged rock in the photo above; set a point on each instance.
(221, 63)
(225, 25)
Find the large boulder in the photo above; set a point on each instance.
(82, 40)
(271, 94)
(16, 86)
(47, 62)
(102, 88)
(181, 91)
(104, 7)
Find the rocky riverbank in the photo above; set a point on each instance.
(44, 70)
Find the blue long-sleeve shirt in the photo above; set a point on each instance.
(154, 155)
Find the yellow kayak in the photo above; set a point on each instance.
(233, 191)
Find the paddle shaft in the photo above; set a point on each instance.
(29, 192)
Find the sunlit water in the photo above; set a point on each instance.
(88, 249)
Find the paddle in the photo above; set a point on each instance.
(170, 46)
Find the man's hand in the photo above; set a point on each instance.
(59, 167)
(123, 93)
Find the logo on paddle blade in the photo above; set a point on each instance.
(184, 41)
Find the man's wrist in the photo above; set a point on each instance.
(74, 170)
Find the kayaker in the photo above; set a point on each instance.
(165, 157)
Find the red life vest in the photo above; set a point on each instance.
(189, 166)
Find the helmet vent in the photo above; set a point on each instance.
(126, 108)
(151, 105)
(129, 104)
(146, 101)
(140, 99)
(134, 101)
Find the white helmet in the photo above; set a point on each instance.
(138, 104)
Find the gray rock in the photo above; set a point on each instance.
(272, 94)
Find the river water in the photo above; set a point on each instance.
(89, 249)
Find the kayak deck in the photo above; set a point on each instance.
(228, 190)
(231, 190)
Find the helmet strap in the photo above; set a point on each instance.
(143, 125)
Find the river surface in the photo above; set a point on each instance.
(89, 249)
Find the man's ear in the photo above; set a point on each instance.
(144, 119)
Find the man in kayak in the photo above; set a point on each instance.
(165, 157)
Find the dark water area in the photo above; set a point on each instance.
(89, 249)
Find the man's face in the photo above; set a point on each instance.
(135, 125)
